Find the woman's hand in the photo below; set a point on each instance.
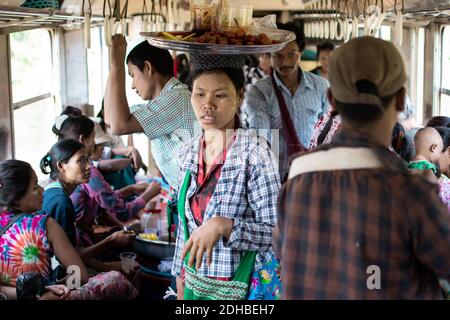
(140, 187)
(205, 238)
(120, 238)
(134, 154)
(55, 292)
(153, 189)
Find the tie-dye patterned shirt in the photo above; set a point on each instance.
(24, 247)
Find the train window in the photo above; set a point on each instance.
(445, 75)
(420, 70)
(32, 132)
(97, 75)
(385, 33)
(31, 58)
(33, 94)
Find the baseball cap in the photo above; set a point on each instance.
(366, 69)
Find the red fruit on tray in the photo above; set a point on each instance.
(230, 34)
(250, 38)
(235, 42)
(240, 33)
(263, 36)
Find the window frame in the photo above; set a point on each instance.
(442, 90)
(45, 95)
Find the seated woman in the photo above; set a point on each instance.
(104, 160)
(31, 240)
(119, 163)
(96, 197)
(114, 166)
(230, 181)
(68, 166)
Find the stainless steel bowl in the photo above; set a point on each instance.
(150, 248)
(153, 248)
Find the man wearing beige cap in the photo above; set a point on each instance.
(353, 223)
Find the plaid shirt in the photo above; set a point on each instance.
(333, 225)
(207, 181)
(246, 192)
(306, 107)
(168, 121)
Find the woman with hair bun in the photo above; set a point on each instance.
(95, 196)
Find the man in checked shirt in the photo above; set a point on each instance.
(167, 118)
(353, 223)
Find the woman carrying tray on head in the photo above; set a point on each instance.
(228, 186)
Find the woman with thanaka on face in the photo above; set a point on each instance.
(68, 166)
(230, 204)
(32, 239)
(95, 197)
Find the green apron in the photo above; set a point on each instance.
(203, 288)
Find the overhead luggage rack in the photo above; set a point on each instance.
(27, 17)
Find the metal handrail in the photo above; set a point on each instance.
(13, 16)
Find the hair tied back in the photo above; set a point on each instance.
(60, 120)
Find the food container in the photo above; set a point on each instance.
(150, 248)
(235, 16)
(153, 248)
(283, 37)
(204, 14)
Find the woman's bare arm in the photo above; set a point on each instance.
(64, 250)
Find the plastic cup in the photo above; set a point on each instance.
(150, 230)
(236, 16)
(127, 260)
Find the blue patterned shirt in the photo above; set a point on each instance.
(306, 107)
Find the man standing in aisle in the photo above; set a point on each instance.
(289, 102)
(353, 223)
(167, 118)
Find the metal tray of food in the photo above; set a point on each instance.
(153, 248)
(281, 37)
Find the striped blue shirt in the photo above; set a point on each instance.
(306, 107)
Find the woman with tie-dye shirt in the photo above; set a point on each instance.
(29, 240)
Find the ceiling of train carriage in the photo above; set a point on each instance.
(136, 6)
(409, 5)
